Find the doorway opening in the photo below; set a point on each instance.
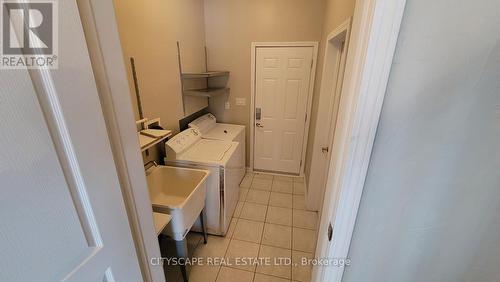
(329, 100)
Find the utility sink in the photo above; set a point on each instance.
(179, 192)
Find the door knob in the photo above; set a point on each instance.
(324, 150)
(259, 125)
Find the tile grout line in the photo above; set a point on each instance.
(270, 223)
(263, 228)
(264, 225)
(261, 244)
(305, 228)
(284, 225)
(236, 224)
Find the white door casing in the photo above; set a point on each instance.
(282, 81)
(61, 209)
(336, 47)
(103, 43)
(375, 30)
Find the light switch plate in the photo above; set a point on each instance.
(227, 105)
(241, 101)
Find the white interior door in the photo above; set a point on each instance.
(281, 92)
(325, 145)
(62, 217)
(331, 88)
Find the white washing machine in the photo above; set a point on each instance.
(209, 128)
(221, 158)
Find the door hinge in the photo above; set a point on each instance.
(330, 232)
(300, 163)
(305, 119)
(312, 63)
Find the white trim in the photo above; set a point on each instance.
(374, 35)
(255, 45)
(345, 26)
(276, 174)
(104, 47)
(43, 82)
(329, 98)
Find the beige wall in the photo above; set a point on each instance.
(336, 12)
(231, 27)
(430, 204)
(149, 31)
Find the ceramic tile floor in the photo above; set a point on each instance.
(270, 221)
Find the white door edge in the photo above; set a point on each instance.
(333, 63)
(101, 34)
(254, 46)
(374, 36)
(53, 186)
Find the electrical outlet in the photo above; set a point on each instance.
(241, 101)
(227, 105)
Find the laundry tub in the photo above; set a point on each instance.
(179, 192)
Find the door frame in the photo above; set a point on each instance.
(374, 35)
(328, 89)
(103, 43)
(255, 45)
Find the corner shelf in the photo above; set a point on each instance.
(208, 74)
(206, 92)
(212, 85)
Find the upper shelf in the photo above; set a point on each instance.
(207, 74)
(206, 92)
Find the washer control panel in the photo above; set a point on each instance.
(204, 123)
(183, 140)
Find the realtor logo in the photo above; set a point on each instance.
(29, 34)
